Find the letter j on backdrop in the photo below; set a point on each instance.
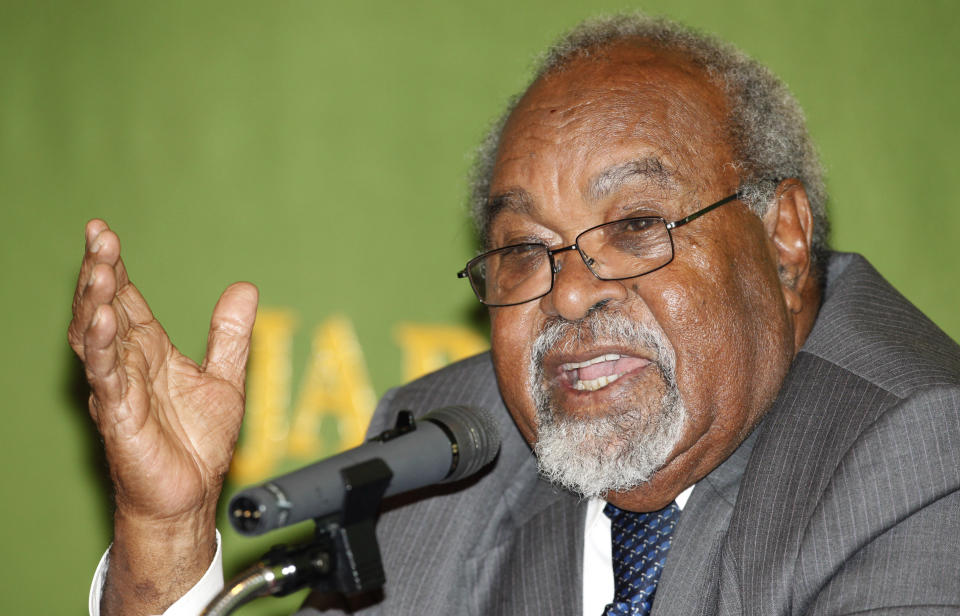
(335, 400)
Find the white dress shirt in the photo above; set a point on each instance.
(189, 604)
(597, 569)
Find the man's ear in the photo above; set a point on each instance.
(789, 225)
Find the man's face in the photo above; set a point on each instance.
(668, 371)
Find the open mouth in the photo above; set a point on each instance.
(600, 371)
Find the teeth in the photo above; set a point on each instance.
(590, 362)
(595, 384)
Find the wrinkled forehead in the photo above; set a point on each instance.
(625, 113)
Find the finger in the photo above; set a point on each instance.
(101, 247)
(103, 279)
(102, 361)
(116, 373)
(229, 341)
(101, 289)
(105, 245)
(133, 308)
(102, 250)
(79, 324)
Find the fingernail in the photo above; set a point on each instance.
(93, 278)
(97, 243)
(96, 318)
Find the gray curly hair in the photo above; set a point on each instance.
(766, 126)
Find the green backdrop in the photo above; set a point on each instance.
(320, 150)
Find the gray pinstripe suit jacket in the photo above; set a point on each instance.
(845, 500)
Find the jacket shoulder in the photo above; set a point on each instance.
(468, 382)
(869, 329)
(860, 444)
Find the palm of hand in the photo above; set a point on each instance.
(174, 431)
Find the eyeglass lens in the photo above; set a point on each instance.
(512, 275)
(616, 250)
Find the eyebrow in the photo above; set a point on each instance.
(515, 199)
(649, 169)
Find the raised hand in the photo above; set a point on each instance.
(169, 426)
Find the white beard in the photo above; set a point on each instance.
(618, 451)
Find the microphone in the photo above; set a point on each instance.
(444, 445)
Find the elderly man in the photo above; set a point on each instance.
(774, 424)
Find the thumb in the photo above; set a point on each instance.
(228, 343)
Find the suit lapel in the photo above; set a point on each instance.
(689, 583)
(535, 565)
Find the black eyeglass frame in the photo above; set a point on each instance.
(554, 269)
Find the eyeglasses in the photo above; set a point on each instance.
(612, 251)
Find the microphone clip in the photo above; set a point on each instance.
(405, 423)
(343, 557)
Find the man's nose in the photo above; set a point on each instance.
(576, 290)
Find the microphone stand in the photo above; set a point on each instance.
(343, 556)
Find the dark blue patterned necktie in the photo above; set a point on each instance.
(640, 544)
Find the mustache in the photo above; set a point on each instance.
(602, 326)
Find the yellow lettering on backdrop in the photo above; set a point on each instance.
(335, 397)
(335, 385)
(430, 347)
